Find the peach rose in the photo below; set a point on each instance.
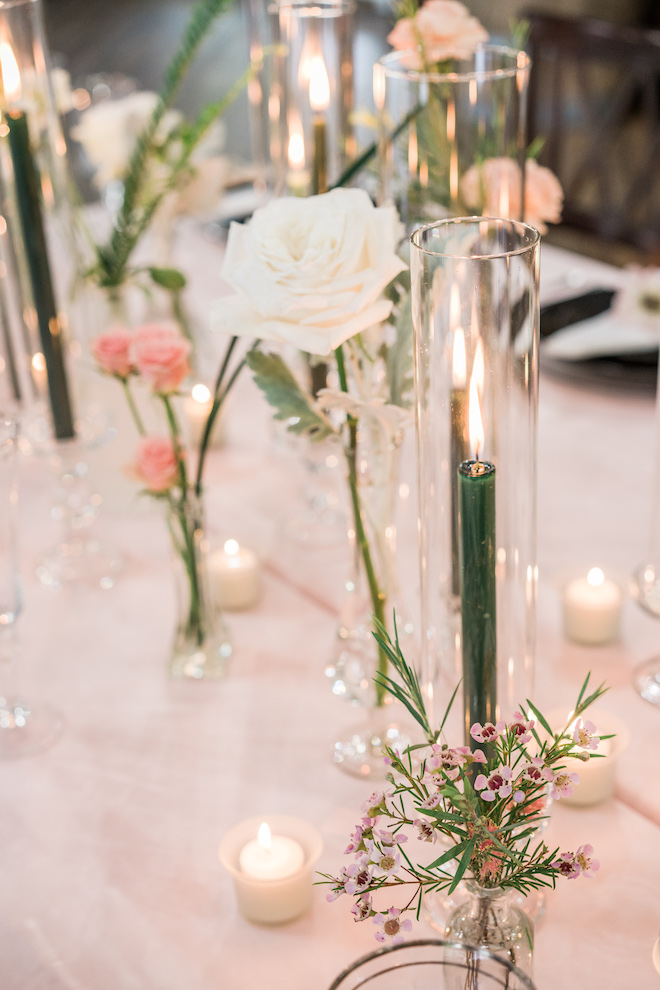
(160, 355)
(111, 351)
(445, 28)
(493, 189)
(156, 464)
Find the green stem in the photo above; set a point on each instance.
(133, 408)
(176, 440)
(188, 553)
(377, 596)
(180, 315)
(218, 400)
(358, 163)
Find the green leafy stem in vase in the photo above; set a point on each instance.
(484, 807)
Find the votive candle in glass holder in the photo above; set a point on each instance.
(592, 608)
(598, 774)
(271, 859)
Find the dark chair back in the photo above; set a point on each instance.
(595, 97)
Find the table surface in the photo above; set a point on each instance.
(108, 841)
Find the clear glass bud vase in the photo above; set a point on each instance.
(201, 646)
(372, 589)
(488, 919)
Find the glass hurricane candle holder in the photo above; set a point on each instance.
(476, 331)
(301, 100)
(431, 964)
(436, 129)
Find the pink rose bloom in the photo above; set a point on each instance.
(445, 28)
(161, 354)
(156, 464)
(493, 188)
(111, 351)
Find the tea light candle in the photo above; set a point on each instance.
(273, 885)
(271, 857)
(196, 409)
(235, 576)
(597, 775)
(592, 609)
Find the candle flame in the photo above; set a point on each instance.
(459, 360)
(474, 418)
(296, 146)
(11, 77)
(595, 577)
(201, 393)
(319, 85)
(39, 362)
(231, 549)
(263, 836)
(478, 367)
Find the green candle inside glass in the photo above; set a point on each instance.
(476, 482)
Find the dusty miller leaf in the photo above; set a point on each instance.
(285, 395)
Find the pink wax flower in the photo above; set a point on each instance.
(488, 732)
(496, 784)
(161, 354)
(583, 735)
(521, 728)
(112, 352)
(587, 863)
(562, 784)
(389, 925)
(156, 464)
(443, 28)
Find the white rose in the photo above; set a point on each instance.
(310, 272)
(108, 132)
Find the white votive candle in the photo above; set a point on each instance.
(598, 774)
(269, 857)
(592, 609)
(196, 409)
(235, 576)
(279, 889)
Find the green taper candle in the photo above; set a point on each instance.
(459, 452)
(476, 482)
(28, 200)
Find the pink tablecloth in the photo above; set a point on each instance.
(108, 842)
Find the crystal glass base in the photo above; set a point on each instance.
(80, 561)
(25, 730)
(646, 679)
(438, 906)
(206, 662)
(646, 588)
(360, 750)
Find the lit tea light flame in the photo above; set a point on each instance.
(11, 77)
(231, 548)
(263, 835)
(201, 393)
(595, 577)
(319, 85)
(475, 421)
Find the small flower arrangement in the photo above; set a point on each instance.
(436, 31)
(481, 807)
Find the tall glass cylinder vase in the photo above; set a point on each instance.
(438, 129)
(475, 324)
(302, 100)
(372, 589)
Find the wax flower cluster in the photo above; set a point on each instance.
(482, 808)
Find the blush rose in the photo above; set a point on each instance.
(442, 29)
(493, 188)
(160, 355)
(112, 352)
(156, 464)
